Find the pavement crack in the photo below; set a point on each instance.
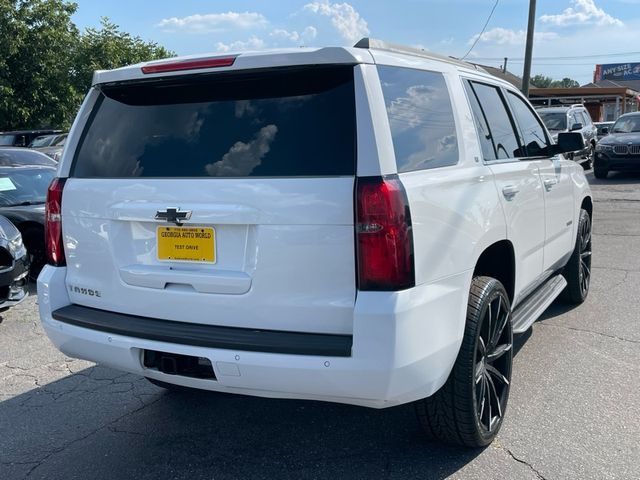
(585, 330)
(92, 432)
(519, 460)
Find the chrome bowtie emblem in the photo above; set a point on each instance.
(173, 215)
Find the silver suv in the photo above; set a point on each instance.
(572, 118)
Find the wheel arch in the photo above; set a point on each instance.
(498, 261)
(587, 204)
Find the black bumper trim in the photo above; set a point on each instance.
(210, 336)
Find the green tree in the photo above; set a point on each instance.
(108, 47)
(46, 64)
(542, 81)
(36, 37)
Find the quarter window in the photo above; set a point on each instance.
(420, 115)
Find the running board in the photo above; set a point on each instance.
(535, 304)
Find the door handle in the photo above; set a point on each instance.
(550, 182)
(509, 191)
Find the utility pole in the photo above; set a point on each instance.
(504, 65)
(526, 75)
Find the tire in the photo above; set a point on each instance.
(600, 173)
(577, 272)
(33, 238)
(458, 413)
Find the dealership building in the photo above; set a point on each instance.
(615, 90)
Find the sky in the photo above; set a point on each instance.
(571, 35)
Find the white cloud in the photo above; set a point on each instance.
(505, 36)
(344, 18)
(308, 33)
(242, 157)
(253, 43)
(214, 22)
(583, 12)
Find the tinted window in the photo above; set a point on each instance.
(502, 132)
(24, 186)
(7, 139)
(484, 133)
(278, 123)
(421, 118)
(533, 135)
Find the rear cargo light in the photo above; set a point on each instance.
(384, 236)
(210, 62)
(53, 224)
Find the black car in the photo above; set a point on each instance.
(14, 265)
(23, 192)
(620, 150)
(13, 157)
(22, 138)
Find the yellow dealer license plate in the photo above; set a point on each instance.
(187, 244)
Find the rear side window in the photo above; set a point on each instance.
(421, 118)
(275, 123)
(495, 112)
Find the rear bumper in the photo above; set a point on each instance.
(404, 345)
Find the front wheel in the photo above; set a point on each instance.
(600, 173)
(468, 410)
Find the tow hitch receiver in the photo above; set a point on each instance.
(175, 364)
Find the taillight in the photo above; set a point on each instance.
(194, 64)
(53, 223)
(384, 236)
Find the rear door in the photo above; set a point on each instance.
(260, 167)
(517, 180)
(555, 172)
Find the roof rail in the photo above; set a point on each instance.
(368, 43)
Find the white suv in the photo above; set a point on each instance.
(364, 225)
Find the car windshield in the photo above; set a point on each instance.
(627, 124)
(16, 156)
(554, 120)
(7, 139)
(42, 141)
(24, 186)
(59, 141)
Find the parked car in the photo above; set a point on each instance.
(14, 266)
(603, 128)
(12, 157)
(22, 138)
(23, 193)
(620, 150)
(47, 140)
(574, 118)
(55, 149)
(358, 225)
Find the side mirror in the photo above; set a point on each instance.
(605, 131)
(568, 142)
(576, 126)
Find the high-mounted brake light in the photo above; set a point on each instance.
(210, 62)
(53, 224)
(384, 236)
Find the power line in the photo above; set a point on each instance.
(482, 31)
(573, 57)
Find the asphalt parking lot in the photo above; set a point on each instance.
(574, 410)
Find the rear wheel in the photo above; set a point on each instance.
(469, 408)
(578, 271)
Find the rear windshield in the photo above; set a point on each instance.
(276, 123)
(554, 120)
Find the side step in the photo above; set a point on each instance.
(535, 304)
